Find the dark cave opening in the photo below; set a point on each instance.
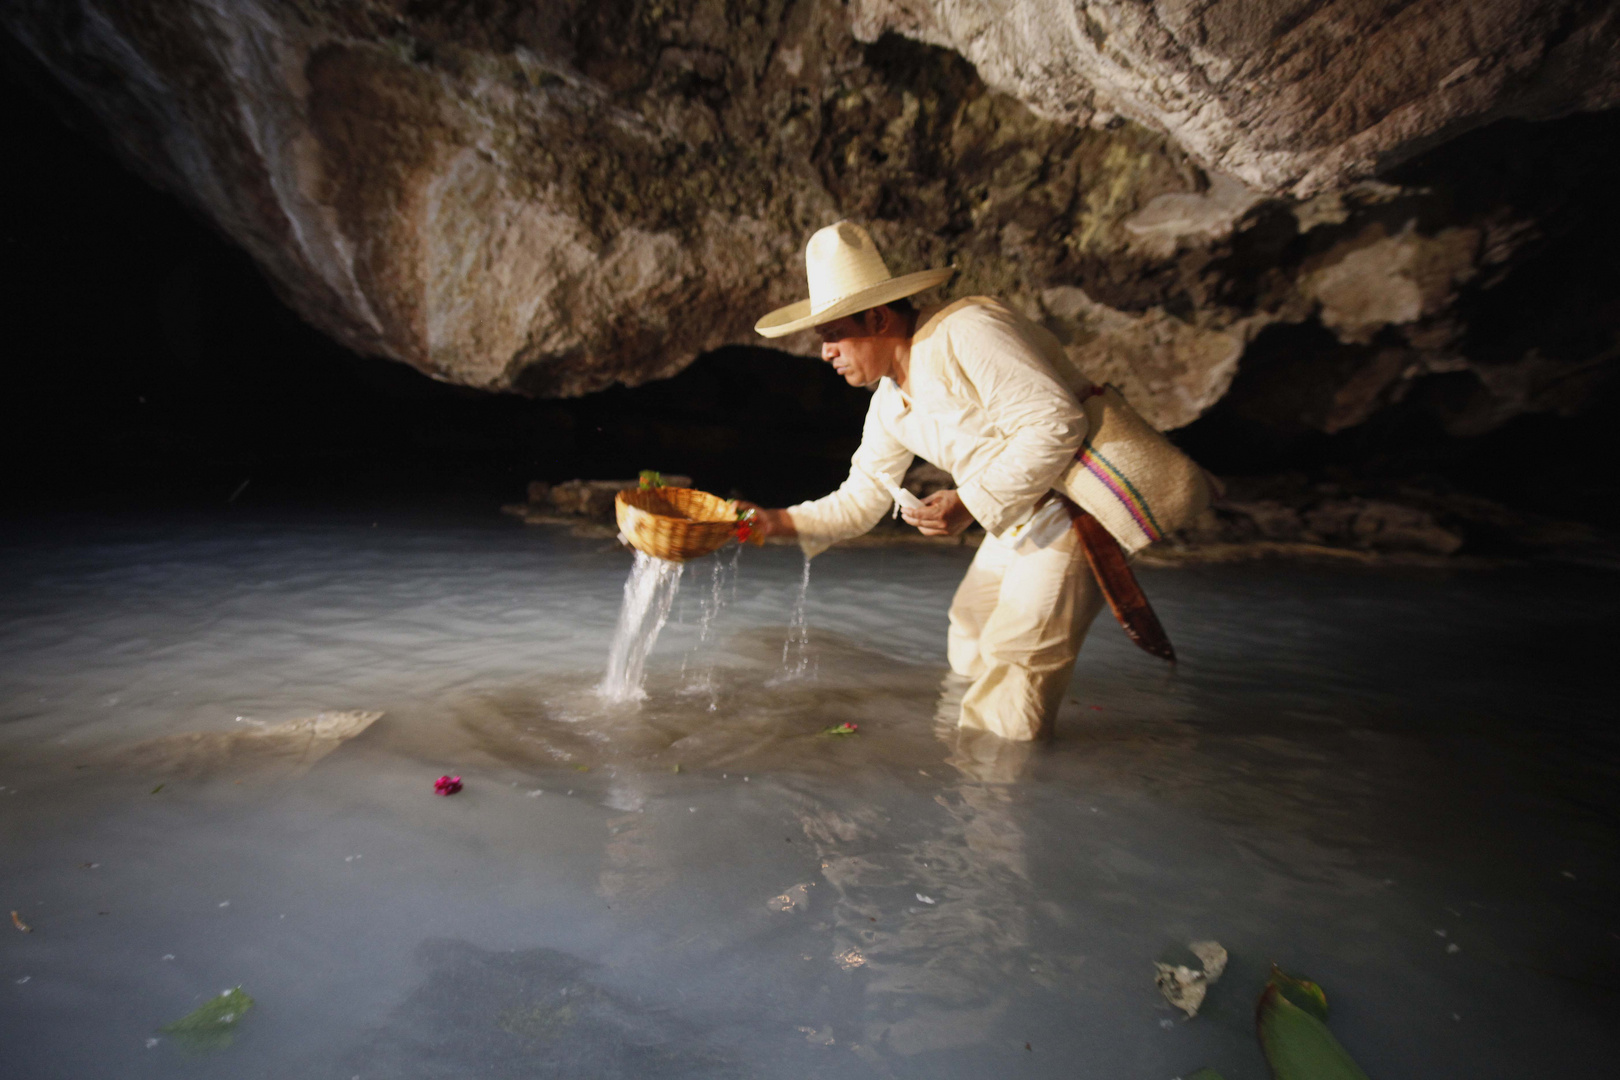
(1554, 303)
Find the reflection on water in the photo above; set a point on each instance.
(699, 882)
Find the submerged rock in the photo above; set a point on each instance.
(1186, 986)
(294, 744)
(1288, 516)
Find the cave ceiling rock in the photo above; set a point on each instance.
(1335, 207)
(1172, 369)
(1175, 219)
(1374, 280)
(554, 197)
(1295, 96)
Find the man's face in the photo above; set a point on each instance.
(850, 346)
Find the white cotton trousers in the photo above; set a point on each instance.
(1016, 624)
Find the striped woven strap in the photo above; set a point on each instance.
(1117, 483)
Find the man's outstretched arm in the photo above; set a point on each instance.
(857, 505)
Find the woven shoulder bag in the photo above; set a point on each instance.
(1130, 477)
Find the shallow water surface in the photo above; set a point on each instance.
(1402, 786)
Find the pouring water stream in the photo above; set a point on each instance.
(649, 597)
(649, 592)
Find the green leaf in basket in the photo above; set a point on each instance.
(1296, 1041)
(651, 478)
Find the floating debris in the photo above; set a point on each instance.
(794, 899)
(1212, 956)
(16, 920)
(447, 785)
(212, 1026)
(1184, 987)
(1292, 1019)
(846, 728)
(849, 959)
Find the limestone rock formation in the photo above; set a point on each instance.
(550, 196)
(1287, 95)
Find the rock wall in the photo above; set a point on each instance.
(551, 197)
(1299, 96)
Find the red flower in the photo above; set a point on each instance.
(447, 785)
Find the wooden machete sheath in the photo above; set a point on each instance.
(1119, 585)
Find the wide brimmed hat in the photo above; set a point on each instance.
(846, 275)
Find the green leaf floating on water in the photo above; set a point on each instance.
(1302, 992)
(213, 1025)
(1293, 1033)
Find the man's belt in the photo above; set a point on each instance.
(1119, 585)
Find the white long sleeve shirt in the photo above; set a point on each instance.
(990, 399)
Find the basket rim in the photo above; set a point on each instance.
(627, 498)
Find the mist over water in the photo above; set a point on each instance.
(1347, 774)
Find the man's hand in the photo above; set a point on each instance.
(769, 522)
(942, 514)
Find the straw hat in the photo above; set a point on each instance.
(846, 275)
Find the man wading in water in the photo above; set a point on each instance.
(991, 398)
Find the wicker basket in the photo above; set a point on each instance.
(675, 523)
